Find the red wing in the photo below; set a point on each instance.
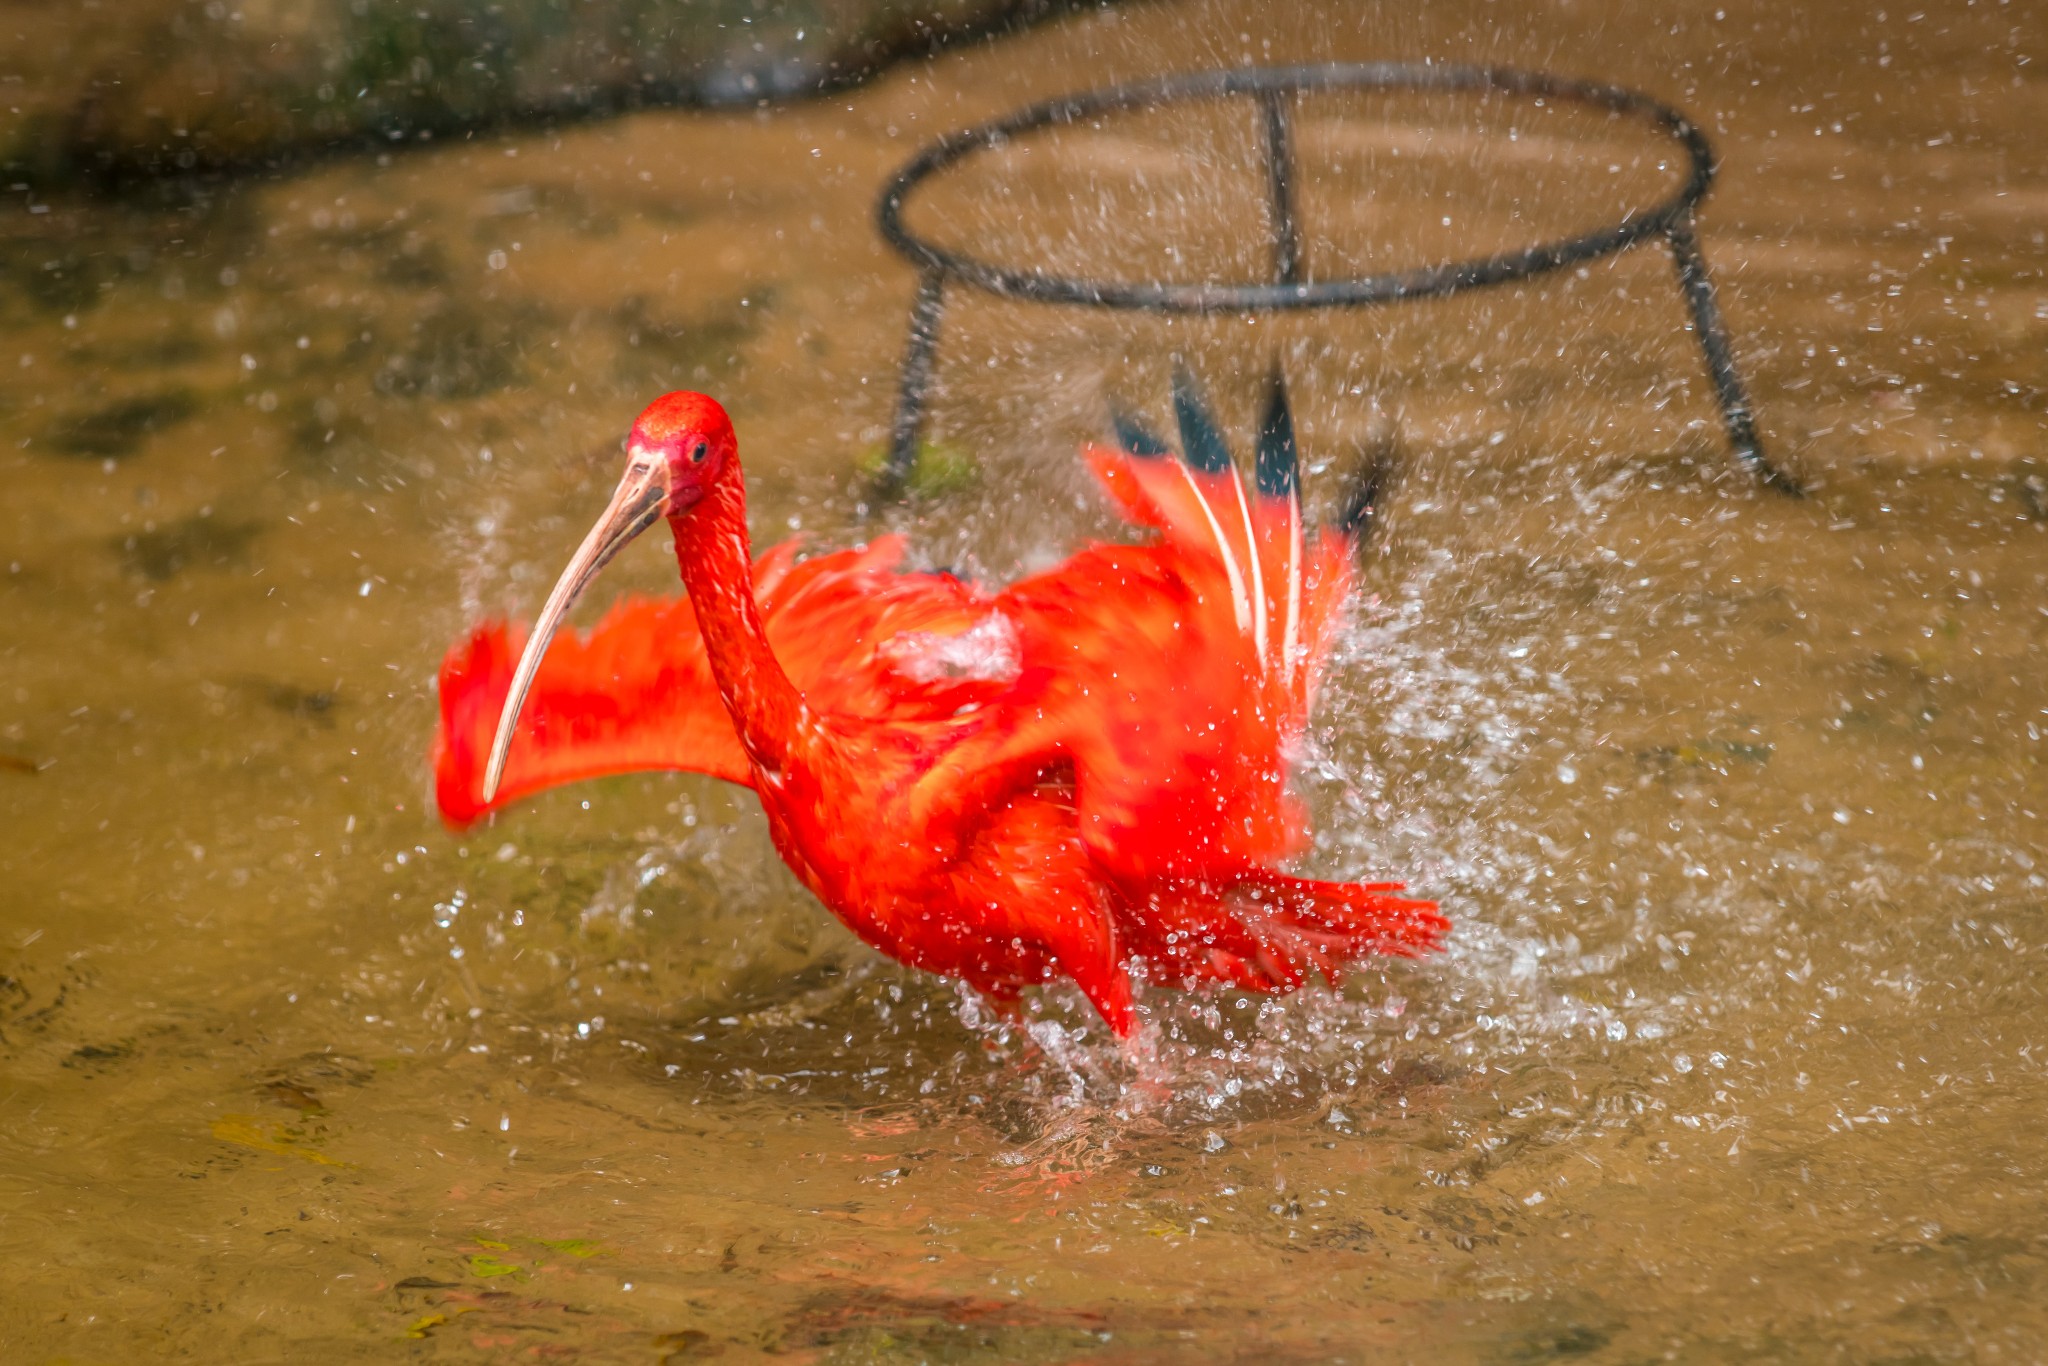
(629, 694)
(635, 692)
(1285, 594)
(1174, 676)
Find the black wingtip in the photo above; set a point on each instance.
(1201, 435)
(1377, 470)
(1279, 460)
(1135, 437)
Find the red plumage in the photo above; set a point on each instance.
(1079, 774)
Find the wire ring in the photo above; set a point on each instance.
(1424, 282)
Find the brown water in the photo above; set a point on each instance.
(1740, 1049)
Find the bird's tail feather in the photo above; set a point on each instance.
(1268, 932)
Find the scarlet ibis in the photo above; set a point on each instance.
(1083, 775)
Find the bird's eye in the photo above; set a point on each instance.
(698, 452)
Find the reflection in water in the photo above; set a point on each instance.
(1735, 800)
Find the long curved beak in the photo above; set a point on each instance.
(641, 500)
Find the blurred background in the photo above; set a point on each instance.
(320, 325)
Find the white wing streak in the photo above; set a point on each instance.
(1239, 601)
(1251, 542)
(1291, 641)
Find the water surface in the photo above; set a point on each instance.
(1739, 1050)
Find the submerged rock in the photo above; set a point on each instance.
(128, 89)
(116, 429)
(161, 553)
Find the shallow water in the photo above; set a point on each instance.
(1739, 1050)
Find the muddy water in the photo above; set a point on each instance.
(1740, 1048)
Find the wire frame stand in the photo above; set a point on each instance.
(1273, 91)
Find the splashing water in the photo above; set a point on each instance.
(1735, 1053)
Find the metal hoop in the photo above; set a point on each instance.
(1271, 87)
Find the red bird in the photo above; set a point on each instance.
(1083, 775)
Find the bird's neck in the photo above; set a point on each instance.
(718, 570)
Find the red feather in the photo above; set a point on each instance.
(635, 692)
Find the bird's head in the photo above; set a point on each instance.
(679, 449)
(683, 443)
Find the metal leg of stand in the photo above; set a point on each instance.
(1287, 256)
(1736, 414)
(918, 355)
